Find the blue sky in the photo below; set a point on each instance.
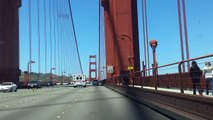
(162, 25)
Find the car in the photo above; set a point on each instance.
(95, 82)
(49, 83)
(34, 84)
(8, 86)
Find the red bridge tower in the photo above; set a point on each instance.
(121, 35)
(92, 68)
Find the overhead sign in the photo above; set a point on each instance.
(110, 69)
(130, 67)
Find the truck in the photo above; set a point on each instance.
(79, 80)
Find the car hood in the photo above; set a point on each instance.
(5, 86)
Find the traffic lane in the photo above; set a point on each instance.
(42, 107)
(100, 103)
(22, 93)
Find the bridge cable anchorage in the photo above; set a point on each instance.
(76, 43)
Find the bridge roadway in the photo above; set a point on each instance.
(67, 103)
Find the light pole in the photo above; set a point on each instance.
(130, 58)
(63, 76)
(28, 68)
(154, 44)
(51, 74)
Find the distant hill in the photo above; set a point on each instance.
(46, 77)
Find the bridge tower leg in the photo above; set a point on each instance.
(92, 68)
(9, 40)
(121, 35)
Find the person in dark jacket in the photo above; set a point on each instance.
(195, 74)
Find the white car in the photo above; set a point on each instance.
(8, 86)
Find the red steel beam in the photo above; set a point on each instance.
(9, 40)
(121, 34)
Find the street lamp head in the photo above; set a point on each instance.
(153, 44)
(32, 61)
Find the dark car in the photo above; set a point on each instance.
(95, 82)
(34, 84)
(49, 83)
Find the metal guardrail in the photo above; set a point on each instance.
(176, 80)
(180, 71)
(174, 105)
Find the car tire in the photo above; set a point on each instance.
(11, 90)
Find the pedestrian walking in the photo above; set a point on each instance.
(208, 75)
(195, 74)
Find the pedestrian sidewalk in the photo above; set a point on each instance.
(190, 92)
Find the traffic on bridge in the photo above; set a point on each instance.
(106, 60)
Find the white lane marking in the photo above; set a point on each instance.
(76, 99)
(58, 117)
(62, 112)
(20, 102)
(7, 106)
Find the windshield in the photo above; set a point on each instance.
(34, 81)
(105, 59)
(4, 84)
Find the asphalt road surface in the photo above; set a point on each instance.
(67, 103)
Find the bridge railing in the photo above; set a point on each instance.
(172, 104)
(179, 80)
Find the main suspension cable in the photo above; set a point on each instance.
(76, 43)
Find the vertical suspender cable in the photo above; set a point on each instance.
(62, 41)
(30, 38)
(181, 36)
(39, 41)
(76, 43)
(45, 37)
(103, 51)
(66, 43)
(144, 33)
(147, 35)
(61, 38)
(50, 34)
(99, 40)
(54, 19)
(186, 34)
(58, 29)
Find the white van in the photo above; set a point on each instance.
(79, 80)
